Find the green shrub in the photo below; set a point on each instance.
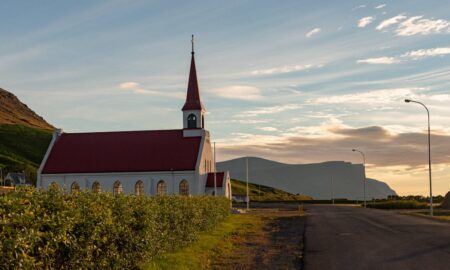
(52, 230)
(398, 205)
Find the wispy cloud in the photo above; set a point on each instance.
(284, 69)
(416, 25)
(379, 60)
(379, 97)
(270, 129)
(391, 21)
(363, 22)
(135, 88)
(411, 55)
(427, 53)
(312, 32)
(242, 92)
(268, 110)
(380, 6)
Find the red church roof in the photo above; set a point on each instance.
(193, 101)
(128, 151)
(219, 179)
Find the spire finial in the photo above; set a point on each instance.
(192, 41)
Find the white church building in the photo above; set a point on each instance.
(151, 162)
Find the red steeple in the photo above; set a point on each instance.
(193, 101)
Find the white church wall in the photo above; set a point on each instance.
(128, 181)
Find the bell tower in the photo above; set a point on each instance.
(193, 110)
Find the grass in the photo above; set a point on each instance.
(213, 244)
(437, 214)
(22, 148)
(398, 205)
(260, 193)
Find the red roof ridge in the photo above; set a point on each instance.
(123, 131)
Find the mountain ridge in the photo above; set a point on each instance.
(309, 179)
(13, 111)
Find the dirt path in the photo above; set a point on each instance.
(276, 244)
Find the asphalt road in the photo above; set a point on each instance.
(344, 237)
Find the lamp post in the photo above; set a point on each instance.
(215, 171)
(429, 151)
(364, 180)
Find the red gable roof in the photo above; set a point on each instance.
(193, 101)
(219, 179)
(128, 151)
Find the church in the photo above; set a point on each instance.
(150, 162)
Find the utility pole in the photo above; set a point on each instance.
(364, 168)
(247, 197)
(215, 170)
(332, 190)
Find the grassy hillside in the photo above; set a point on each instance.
(260, 193)
(22, 148)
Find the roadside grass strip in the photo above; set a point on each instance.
(211, 245)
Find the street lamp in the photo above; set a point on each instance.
(429, 151)
(364, 180)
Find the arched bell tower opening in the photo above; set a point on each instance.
(193, 110)
(192, 121)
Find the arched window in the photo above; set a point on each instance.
(161, 188)
(184, 187)
(96, 187)
(192, 121)
(139, 188)
(117, 188)
(54, 186)
(203, 121)
(74, 188)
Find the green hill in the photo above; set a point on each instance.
(22, 148)
(260, 193)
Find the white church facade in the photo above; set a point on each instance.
(152, 162)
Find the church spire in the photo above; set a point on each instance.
(193, 95)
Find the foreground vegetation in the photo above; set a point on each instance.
(52, 230)
(260, 193)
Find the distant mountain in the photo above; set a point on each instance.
(309, 179)
(13, 111)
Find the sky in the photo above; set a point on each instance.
(292, 81)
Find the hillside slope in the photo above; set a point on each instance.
(24, 136)
(309, 179)
(13, 111)
(264, 193)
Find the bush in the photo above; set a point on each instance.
(398, 205)
(52, 230)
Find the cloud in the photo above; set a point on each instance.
(312, 32)
(270, 129)
(268, 110)
(284, 69)
(382, 147)
(242, 92)
(394, 20)
(416, 25)
(427, 53)
(379, 60)
(135, 88)
(363, 22)
(128, 85)
(411, 55)
(378, 97)
(380, 6)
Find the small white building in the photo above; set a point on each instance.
(151, 162)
